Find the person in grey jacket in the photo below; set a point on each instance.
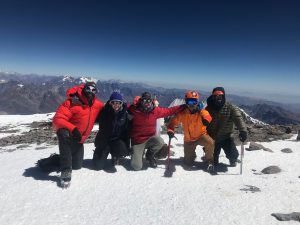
(224, 116)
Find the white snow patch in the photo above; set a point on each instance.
(27, 196)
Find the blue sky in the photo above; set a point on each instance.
(249, 47)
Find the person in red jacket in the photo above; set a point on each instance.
(73, 122)
(143, 129)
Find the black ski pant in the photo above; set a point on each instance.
(70, 151)
(116, 148)
(229, 148)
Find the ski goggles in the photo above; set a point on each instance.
(91, 89)
(191, 102)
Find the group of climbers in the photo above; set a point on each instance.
(130, 129)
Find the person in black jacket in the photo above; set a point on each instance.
(112, 136)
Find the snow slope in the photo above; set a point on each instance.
(27, 196)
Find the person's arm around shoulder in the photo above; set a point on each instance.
(165, 112)
(206, 117)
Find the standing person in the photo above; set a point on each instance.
(143, 130)
(194, 120)
(73, 122)
(113, 136)
(224, 115)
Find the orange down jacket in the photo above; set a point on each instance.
(75, 112)
(192, 124)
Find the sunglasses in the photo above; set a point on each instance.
(191, 102)
(91, 89)
(146, 100)
(115, 102)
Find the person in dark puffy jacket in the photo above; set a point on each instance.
(143, 129)
(113, 136)
(73, 122)
(224, 116)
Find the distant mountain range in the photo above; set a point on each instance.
(29, 94)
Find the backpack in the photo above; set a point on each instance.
(50, 164)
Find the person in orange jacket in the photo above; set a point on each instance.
(73, 122)
(194, 120)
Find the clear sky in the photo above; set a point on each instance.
(249, 47)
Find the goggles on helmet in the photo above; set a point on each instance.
(191, 102)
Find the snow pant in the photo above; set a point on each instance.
(116, 148)
(190, 149)
(70, 151)
(229, 148)
(153, 144)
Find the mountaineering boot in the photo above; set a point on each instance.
(151, 159)
(115, 161)
(233, 163)
(65, 178)
(50, 164)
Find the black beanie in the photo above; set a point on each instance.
(146, 95)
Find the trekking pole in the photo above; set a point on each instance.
(242, 156)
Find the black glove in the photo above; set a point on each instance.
(76, 135)
(171, 134)
(205, 122)
(243, 136)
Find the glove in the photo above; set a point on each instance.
(200, 106)
(76, 135)
(170, 133)
(243, 136)
(205, 122)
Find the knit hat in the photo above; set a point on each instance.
(116, 96)
(218, 91)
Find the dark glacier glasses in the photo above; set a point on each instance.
(146, 100)
(115, 102)
(91, 89)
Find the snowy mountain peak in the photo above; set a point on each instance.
(87, 79)
(68, 78)
(251, 119)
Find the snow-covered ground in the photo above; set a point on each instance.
(27, 196)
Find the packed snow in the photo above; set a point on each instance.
(29, 196)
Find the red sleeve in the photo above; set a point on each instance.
(174, 122)
(62, 117)
(165, 112)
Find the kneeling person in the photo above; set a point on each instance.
(194, 120)
(112, 137)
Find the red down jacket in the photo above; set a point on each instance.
(144, 124)
(75, 112)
